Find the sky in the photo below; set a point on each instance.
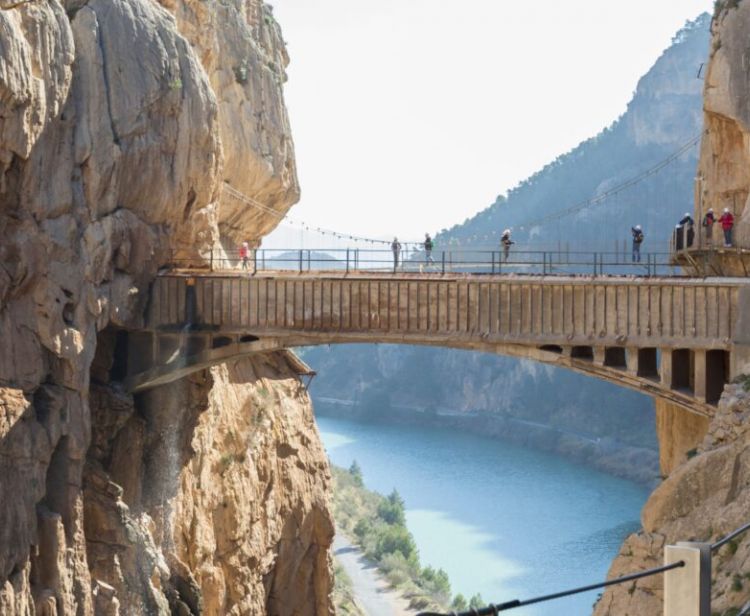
(409, 116)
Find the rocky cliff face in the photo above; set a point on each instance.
(707, 495)
(121, 124)
(725, 162)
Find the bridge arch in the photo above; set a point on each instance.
(672, 338)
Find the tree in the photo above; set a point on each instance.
(391, 510)
(356, 472)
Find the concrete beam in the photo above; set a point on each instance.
(687, 590)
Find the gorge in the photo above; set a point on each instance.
(125, 125)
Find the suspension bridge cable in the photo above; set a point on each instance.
(629, 183)
(236, 194)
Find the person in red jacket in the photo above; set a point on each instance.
(727, 222)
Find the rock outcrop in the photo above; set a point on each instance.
(724, 169)
(122, 123)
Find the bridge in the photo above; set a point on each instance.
(675, 338)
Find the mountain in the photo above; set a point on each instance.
(664, 114)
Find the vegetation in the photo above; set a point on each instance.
(377, 524)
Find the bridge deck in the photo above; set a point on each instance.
(622, 311)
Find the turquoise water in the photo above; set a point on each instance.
(502, 520)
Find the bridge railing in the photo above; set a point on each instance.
(520, 261)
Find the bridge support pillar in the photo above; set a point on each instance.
(631, 355)
(699, 375)
(599, 355)
(665, 368)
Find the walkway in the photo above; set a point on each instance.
(373, 593)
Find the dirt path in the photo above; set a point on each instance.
(373, 594)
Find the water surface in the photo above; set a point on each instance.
(502, 520)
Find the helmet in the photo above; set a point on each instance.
(726, 210)
(506, 232)
(687, 214)
(710, 211)
(638, 227)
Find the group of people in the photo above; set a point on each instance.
(505, 241)
(684, 233)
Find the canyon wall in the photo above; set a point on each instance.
(707, 493)
(122, 123)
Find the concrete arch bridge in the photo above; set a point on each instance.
(678, 339)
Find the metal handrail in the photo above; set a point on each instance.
(470, 262)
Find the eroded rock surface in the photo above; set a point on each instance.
(121, 124)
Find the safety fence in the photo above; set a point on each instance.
(687, 585)
(520, 261)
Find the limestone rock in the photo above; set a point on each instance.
(119, 121)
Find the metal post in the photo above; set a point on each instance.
(308, 259)
(687, 589)
(544, 263)
(595, 264)
(300, 260)
(211, 265)
(347, 260)
(493, 261)
(356, 258)
(443, 261)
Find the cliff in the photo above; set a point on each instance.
(121, 124)
(707, 495)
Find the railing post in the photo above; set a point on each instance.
(255, 261)
(308, 259)
(211, 260)
(544, 263)
(347, 260)
(443, 262)
(493, 261)
(595, 256)
(687, 589)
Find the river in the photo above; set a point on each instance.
(502, 520)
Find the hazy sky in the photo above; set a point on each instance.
(411, 115)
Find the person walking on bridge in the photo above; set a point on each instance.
(428, 245)
(396, 248)
(507, 243)
(637, 241)
(727, 222)
(686, 228)
(708, 225)
(244, 254)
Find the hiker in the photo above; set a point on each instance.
(428, 249)
(637, 241)
(686, 228)
(244, 253)
(506, 242)
(396, 248)
(727, 222)
(708, 224)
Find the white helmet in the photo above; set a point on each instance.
(710, 210)
(638, 227)
(687, 214)
(726, 210)
(506, 232)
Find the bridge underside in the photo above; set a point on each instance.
(691, 379)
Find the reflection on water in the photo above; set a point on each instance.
(502, 520)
